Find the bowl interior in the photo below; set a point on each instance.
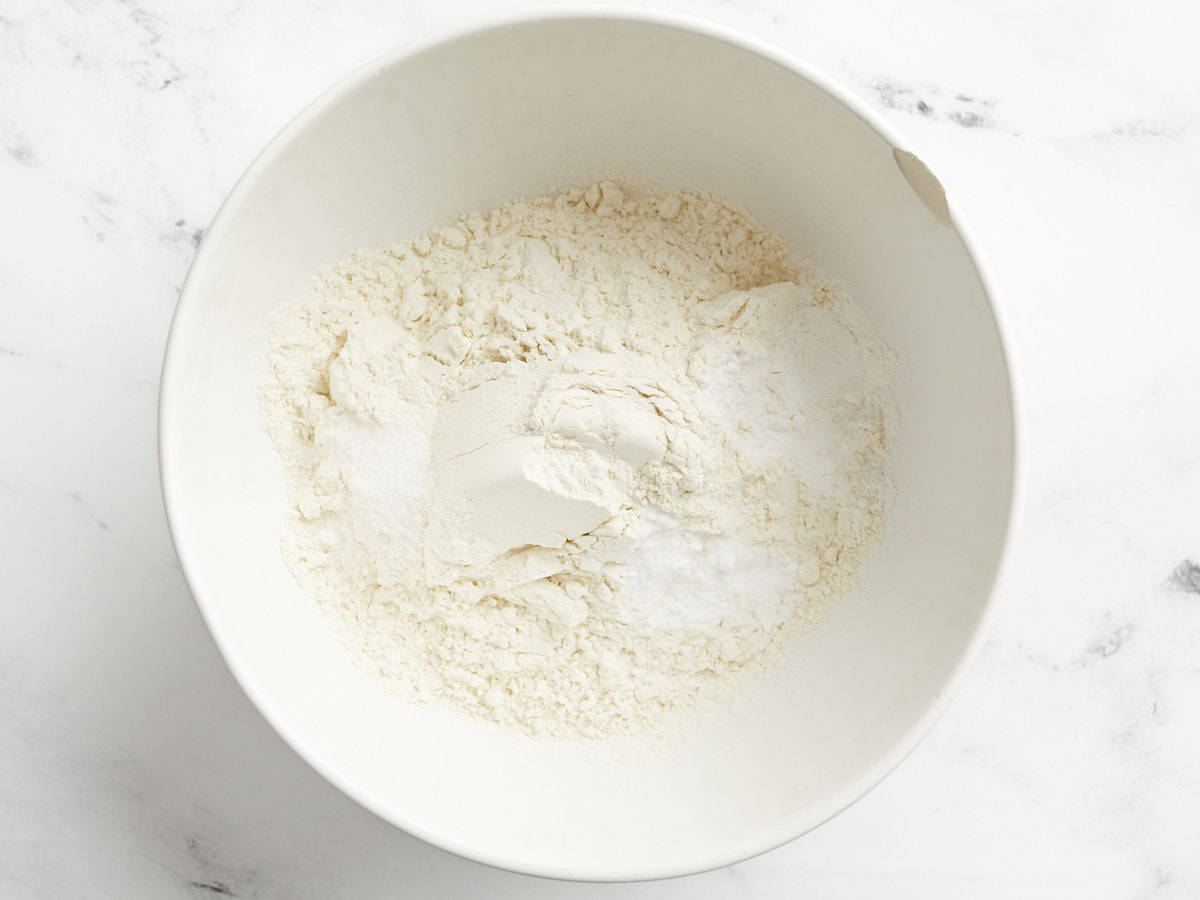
(516, 110)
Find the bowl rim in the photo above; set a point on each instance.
(801, 821)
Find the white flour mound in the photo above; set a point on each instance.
(579, 461)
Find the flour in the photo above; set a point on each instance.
(579, 461)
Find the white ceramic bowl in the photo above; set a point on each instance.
(514, 109)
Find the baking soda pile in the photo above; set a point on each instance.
(581, 460)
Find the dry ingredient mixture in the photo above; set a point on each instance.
(579, 461)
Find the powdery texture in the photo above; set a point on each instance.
(580, 461)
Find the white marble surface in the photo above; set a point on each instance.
(132, 766)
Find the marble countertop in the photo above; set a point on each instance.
(131, 765)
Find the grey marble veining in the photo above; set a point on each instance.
(931, 102)
(1186, 577)
(132, 766)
